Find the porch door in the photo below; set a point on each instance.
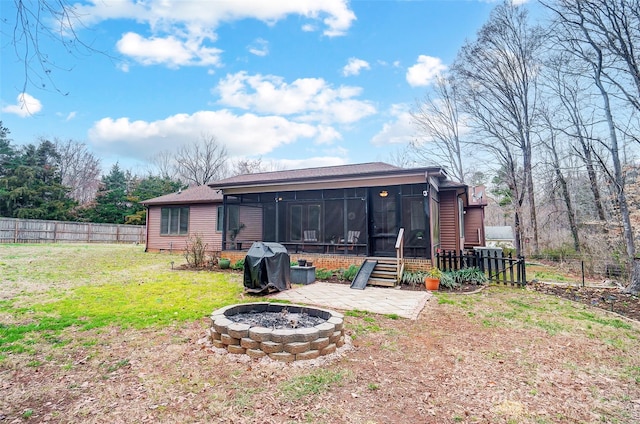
(383, 221)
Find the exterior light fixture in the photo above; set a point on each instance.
(384, 193)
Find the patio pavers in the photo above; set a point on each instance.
(404, 303)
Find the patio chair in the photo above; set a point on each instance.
(352, 239)
(309, 237)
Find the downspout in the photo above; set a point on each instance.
(224, 222)
(146, 231)
(277, 217)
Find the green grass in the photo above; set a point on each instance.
(315, 382)
(504, 307)
(106, 285)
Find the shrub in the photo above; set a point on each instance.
(558, 254)
(470, 276)
(195, 251)
(413, 278)
(349, 273)
(323, 274)
(238, 265)
(448, 280)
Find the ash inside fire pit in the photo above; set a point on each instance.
(274, 320)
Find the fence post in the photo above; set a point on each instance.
(15, 231)
(512, 281)
(522, 268)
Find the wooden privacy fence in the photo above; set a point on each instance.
(497, 267)
(13, 230)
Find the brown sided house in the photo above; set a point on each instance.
(334, 216)
(173, 218)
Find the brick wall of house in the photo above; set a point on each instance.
(332, 262)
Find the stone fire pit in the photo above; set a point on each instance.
(281, 331)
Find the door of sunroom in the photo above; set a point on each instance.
(384, 220)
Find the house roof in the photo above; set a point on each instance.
(198, 194)
(499, 233)
(327, 173)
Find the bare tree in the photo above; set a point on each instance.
(575, 118)
(79, 169)
(612, 27)
(32, 23)
(248, 166)
(402, 158)
(202, 161)
(554, 152)
(163, 164)
(597, 32)
(438, 118)
(498, 74)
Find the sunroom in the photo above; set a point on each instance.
(363, 210)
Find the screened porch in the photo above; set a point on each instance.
(351, 221)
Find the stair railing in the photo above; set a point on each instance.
(400, 255)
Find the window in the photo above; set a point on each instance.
(174, 221)
(295, 227)
(220, 221)
(234, 217)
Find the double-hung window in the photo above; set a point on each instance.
(174, 221)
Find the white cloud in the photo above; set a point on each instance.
(241, 134)
(308, 99)
(26, 105)
(260, 47)
(313, 162)
(71, 116)
(182, 30)
(169, 51)
(425, 71)
(354, 66)
(309, 28)
(399, 130)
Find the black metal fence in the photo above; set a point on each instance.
(497, 267)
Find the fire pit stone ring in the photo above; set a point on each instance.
(284, 332)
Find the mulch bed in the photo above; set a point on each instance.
(610, 299)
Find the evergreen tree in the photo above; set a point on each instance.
(112, 203)
(30, 183)
(148, 188)
(7, 152)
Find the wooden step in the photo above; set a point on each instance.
(382, 282)
(384, 274)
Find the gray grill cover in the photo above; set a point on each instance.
(266, 268)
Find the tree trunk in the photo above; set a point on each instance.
(593, 179)
(618, 182)
(634, 285)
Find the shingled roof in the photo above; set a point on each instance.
(311, 174)
(213, 194)
(198, 194)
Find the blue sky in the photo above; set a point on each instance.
(299, 82)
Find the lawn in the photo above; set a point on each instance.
(108, 333)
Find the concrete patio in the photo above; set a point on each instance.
(404, 303)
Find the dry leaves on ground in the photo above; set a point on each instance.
(496, 356)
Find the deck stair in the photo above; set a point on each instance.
(385, 272)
